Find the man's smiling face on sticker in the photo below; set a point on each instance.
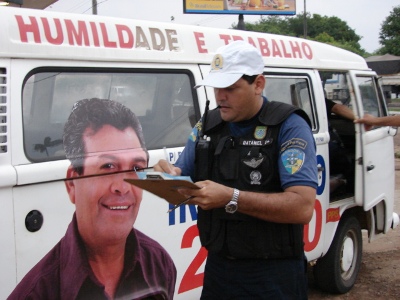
(107, 206)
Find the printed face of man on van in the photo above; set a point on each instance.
(107, 206)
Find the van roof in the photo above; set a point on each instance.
(28, 33)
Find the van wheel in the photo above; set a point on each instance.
(336, 272)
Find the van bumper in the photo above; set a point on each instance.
(395, 220)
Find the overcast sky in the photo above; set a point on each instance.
(364, 16)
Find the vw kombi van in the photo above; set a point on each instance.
(50, 60)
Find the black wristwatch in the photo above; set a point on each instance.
(232, 206)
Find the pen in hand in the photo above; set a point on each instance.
(180, 204)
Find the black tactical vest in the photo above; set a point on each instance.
(248, 163)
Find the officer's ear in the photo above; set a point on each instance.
(259, 84)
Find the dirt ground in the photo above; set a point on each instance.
(379, 276)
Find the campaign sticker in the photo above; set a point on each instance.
(332, 215)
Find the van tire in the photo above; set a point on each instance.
(333, 273)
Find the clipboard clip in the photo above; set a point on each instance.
(154, 176)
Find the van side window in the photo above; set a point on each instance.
(336, 86)
(369, 96)
(163, 101)
(291, 90)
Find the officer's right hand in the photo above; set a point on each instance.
(166, 167)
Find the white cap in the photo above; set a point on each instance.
(231, 62)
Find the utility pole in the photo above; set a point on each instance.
(241, 25)
(305, 20)
(94, 7)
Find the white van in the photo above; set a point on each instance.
(50, 60)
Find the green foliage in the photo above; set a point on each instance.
(389, 36)
(272, 24)
(324, 38)
(347, 45)
(334, 26)
(330, 30)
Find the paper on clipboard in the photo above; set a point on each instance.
(163, 185)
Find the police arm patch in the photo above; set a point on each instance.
(293, 159)
(195, 131)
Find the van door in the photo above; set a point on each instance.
(374, 151)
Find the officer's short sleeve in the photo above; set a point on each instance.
(297, 154)
(186, 159)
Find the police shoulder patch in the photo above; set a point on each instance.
(195, 131)
(293, 159)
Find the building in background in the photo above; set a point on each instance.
(387, 66)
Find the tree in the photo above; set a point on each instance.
(330, 30)
(271, 24)
(347, 45)
(389, 36)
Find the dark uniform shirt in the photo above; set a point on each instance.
(65, 273)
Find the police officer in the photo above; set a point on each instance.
(255, 164)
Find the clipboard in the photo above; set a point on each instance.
(164, 186)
